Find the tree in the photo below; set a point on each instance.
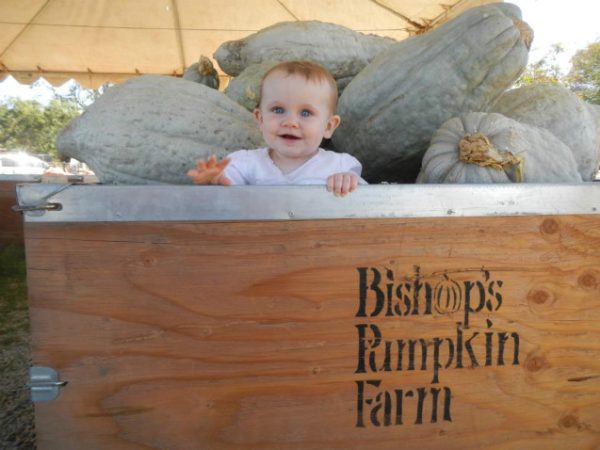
(80, 96)
(545, 70)
(584, 76)
(29, 125)
(26, 124)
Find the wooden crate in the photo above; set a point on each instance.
(449, 328)
(11, 222)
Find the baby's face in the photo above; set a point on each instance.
(295, 115)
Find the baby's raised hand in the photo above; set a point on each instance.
(342, 183)
(210, 171)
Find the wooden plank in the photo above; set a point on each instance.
(11, 223)
(271, 335)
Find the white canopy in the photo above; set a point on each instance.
(95, 41)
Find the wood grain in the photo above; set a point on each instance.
(11, 223)
(248, 335)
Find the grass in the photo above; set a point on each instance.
(13, 295)
(16, 410)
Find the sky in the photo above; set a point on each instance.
(572, 23)
(40, 90)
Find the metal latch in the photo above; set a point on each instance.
(44, 383)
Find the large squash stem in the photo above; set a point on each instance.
(525, 31)
(205, 66)
(476, 148)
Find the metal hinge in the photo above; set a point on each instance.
(44, 383)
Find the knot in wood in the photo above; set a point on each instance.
(535, 363)
(549, 226)
(538, 296)
(588, 280)
(569, 421)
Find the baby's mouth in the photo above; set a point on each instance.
(289, 136)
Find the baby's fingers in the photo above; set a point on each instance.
(345, 184)
(353, 183)
(330, 183)
(208, 171)
(200, 165)
(200, 176)
(223, 163)
(204, 176)
(342, 183)
(335, 183)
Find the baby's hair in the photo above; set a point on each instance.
(310, 71)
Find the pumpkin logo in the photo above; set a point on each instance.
(447, 296)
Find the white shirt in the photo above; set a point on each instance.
(256, 167)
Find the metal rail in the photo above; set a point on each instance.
(119, 203)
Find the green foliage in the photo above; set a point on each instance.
(545, 70)
(29, 125)
(584, 76)
(26, 124)
(13, 293)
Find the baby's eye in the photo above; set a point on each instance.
(306, 113)
(277, 110)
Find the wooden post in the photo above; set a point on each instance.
(11, 222)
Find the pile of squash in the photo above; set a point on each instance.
(434, 108)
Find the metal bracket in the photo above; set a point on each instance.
(37, 203)
(45, 207)
(44, 383)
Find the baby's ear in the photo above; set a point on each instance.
(257, 115)
(333, 122)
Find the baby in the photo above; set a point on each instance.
(295, 112)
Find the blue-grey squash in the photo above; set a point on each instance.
(393, 106)
(202, 72)
(491, 148)
(245, 88)
(563, 113)
(152, 129)
(342, 51)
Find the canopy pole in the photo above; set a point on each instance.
(288, 10)
(416, 25)
(25, 26)
(179, 35)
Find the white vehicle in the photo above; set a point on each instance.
(21, 163)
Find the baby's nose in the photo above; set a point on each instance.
(289, 121)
